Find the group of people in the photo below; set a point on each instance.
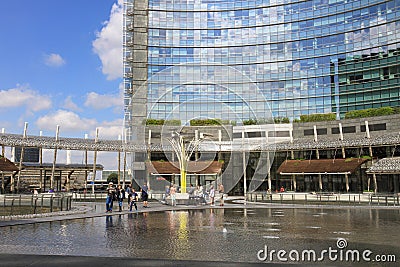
(196, 194)
(119, 194)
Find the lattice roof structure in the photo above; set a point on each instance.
(385, 166)
(14, 140)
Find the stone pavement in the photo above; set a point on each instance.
(8, 260)
(90, 210)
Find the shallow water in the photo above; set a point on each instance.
(210, 234)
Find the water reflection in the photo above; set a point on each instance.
(210, 234)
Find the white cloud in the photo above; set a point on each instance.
(68, 121)
(71, 122)
(97, 101)
(109, 130)
(108, 43)
(54, 60)
(70, 105)
(23, 96)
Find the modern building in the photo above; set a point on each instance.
(256, 60)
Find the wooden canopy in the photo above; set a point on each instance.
(194, 167)
(320, 166)
(6, 165)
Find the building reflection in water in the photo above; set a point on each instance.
(211, 234)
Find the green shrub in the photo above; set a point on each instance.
(318, 117)
(370, 112)
(366, 157)
(113, 177)
(162, 122)
(396, 110)
(281, 120)
(154, 122)
(250, 122)
(206, 122)
(173, 122)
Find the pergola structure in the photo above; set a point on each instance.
(64, 174)
(161, 169)
(386, 167)
(320, 166)
(342, 166)
(386, 139)
(15, 140)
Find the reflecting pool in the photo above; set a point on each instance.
(211, 234)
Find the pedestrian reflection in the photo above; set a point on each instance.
(109, 221)
(144, 221)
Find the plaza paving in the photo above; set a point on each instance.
(67, 261)
(91, 210)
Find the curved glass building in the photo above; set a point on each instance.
(222, 57)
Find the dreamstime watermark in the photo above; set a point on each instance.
(340, 253)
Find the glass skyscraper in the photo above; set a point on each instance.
(244, 59)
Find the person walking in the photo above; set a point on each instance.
(110, 197)
(167, 188)
(221, 193)
(212, 195)
(120, 196)
(172, 193)
(191, 195)
(145, 195)
(133, 198)
(202, 195)
(128, 191)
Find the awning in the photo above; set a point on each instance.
(194, 167)
(7, 166)
(320, 166)
(385, 166)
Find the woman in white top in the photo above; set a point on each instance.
(212, 194)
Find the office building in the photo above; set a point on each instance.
(257, 60)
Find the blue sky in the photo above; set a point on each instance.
(61, 64)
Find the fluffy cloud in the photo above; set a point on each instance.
(70, 105)
(71, 122)
(23, 96)
(109, 130)
(97, 101)
(68, 121)
(108, 43)
(54, 60)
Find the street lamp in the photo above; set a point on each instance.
(183, 153)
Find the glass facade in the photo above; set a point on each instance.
(242, 59)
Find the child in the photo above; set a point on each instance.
(133, 197)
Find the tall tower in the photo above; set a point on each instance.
(205, 58)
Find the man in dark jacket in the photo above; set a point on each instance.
(120, 196)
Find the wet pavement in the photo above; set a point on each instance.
(232, 235)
